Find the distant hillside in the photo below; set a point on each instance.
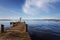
(5, 19)
(44, 19)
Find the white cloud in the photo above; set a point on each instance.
(33, 6)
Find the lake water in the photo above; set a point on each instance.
(41, 30)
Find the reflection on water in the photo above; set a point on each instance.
(44, 30)
(41, 30)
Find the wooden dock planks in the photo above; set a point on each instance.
(17, 32)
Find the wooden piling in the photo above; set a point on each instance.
(1, 28)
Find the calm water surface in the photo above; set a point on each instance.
(44, 30)
(41, 30)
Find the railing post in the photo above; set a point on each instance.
(1, 28)
(26, 28)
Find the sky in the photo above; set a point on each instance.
(30, 9)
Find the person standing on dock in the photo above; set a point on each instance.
(20, 19)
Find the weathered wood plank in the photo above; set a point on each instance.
(17, 32)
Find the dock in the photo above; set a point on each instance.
(18, 31)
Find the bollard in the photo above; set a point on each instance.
(1, 28)
(26, 28)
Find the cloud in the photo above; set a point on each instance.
(36, 6)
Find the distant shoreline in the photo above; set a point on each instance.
(44, 20)
(57, 20)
